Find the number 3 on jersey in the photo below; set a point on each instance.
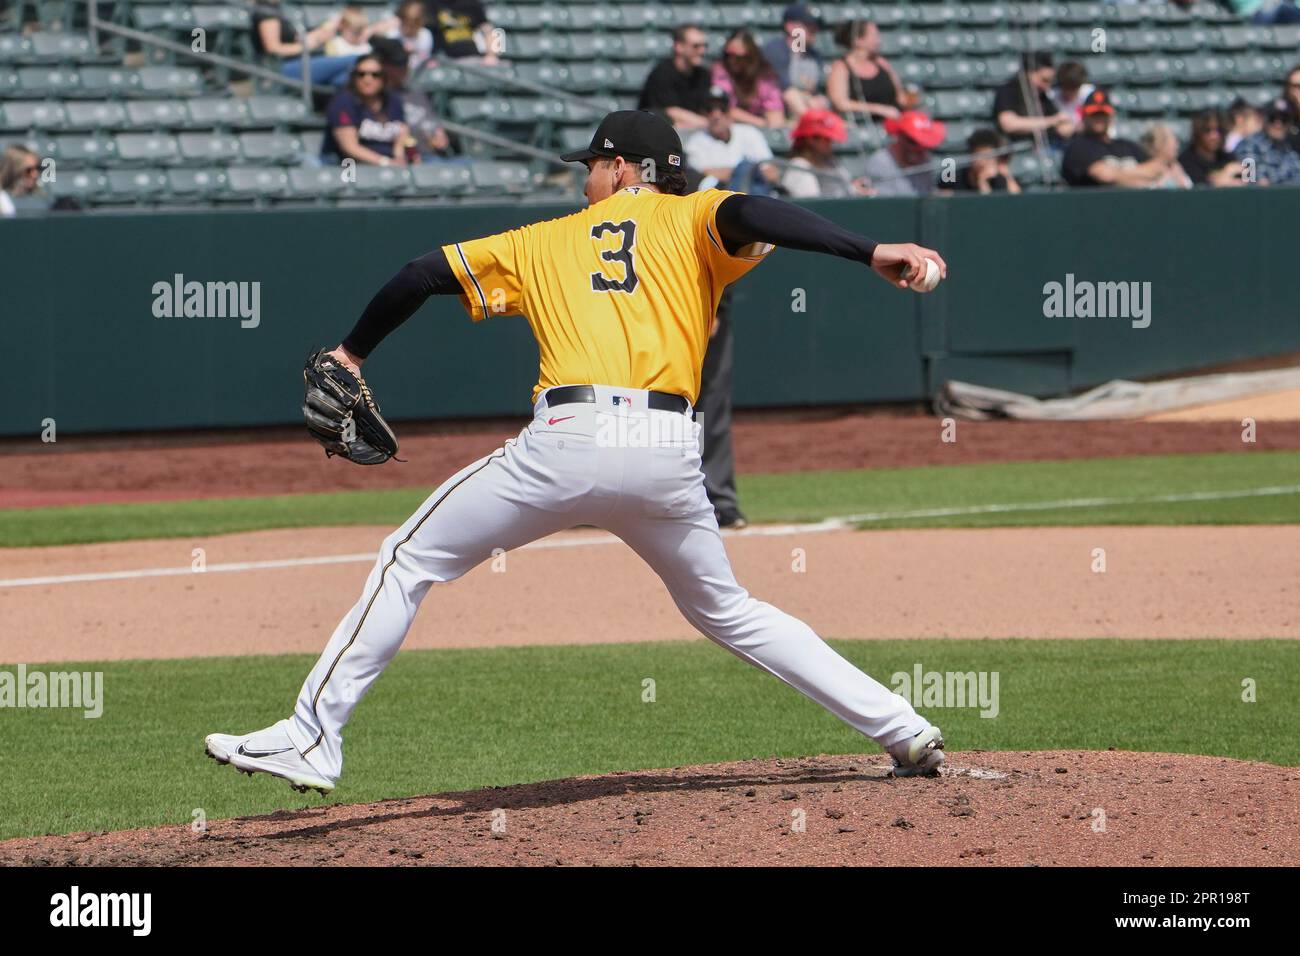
(623, 255)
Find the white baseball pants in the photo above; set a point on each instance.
(615, 464)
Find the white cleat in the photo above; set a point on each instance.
(268, 751)
(919, 756)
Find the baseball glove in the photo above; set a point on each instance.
(342, 415)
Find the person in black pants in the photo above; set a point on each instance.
(713, 408)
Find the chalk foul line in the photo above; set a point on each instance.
(838, 523)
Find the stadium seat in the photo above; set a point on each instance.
(959, 72)
(271, 148)
(133, 185)
(1282, 36)
(156, 114)
(170, 80)
(14, 48)
(210, 112)
(208, 149)
(1186, 39)
(492, 176)
(1153, 102)
(271, 110)
(378, 181)
(78, 149)
(255, 183)
(986, 15)
(60, 47)
(151, 149)
(916, 71)
(19, 117)
(1080, 14)
(105, 81)
(1156, 68)
(317, 183)
(83, 185)
(196, 183)
(1256, 67)
(1123, 13)
(47, 81)
(441, 179)
(1205, 67)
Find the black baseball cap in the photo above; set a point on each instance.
(1098, 101)
(632, 134)
(1277, 109)
(798, 13)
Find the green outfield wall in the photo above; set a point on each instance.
(1201, 279)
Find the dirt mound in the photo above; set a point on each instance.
(1042, 808)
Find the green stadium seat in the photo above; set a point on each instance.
(501, 177)
(915, 71)
(99, 82)
(170, 80)
(271, 110)
(196, 183)
(594, 46)
(156, 114)
(957, 73)
(1154, 102)
(315, 182)
(1205, 67)
(1187, 39)
(1034, 170)
(271, 148)
(1080, 14)
(163, 19)
(640, 16)
(151, 149)
(1123, 13)
(1208, 11)
(995, 41)
(1155, 68)
(1205, 98)
(208, 149)
(256, 183)
(376, 181)
(48, 81)
(933, 15)
(216, 17)
(955, 42)
(441, 179)
(1031, 14)
(224, 111)
(646, 46)
(539, 46)
(546, 73)
(83, 185)
(1107, 70)
(60, 47)
(14, 48)
(1232, 37)
(1282, 36)
(1256, 67)
(19, 116)
(471, 109)
(985, 15)
(778, 139)
(485, 79)
(134, 186)
(95, 115)
(440, 78)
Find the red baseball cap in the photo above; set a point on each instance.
(918, 127)
(820, 123)
(1098, 102)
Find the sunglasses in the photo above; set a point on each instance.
(736, 56)
(31, 170)
(377, 74)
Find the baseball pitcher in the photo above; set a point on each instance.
(620, 297)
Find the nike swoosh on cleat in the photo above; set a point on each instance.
(260, 753)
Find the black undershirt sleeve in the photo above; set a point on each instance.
(399, 299)
(745, 219)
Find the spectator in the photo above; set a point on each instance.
(795, 60)
(364, 122)
(1019, 117)
(813, 171)
(353, 38)
(988, 171)
(275, 37)
(747, 78)
(1160, 142)
(892, 169)
(728, 154)
(461, 31)
(431, 138)
(408, 27)
(20, 177)
(1205, 160)
(1093, 158)
(1268, 158)
(1291, 93)
(1245, 121)
(863, 81)
(678, 87)
(1072, 88)
(1262, 12)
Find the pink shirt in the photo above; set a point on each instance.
(767, 95)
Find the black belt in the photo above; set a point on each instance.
(586, 395)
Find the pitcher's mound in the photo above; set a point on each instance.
(1049, 808)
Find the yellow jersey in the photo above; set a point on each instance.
(622, 293)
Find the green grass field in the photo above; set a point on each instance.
(802, 496)
(450, 720)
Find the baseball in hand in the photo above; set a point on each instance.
(931, 279)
